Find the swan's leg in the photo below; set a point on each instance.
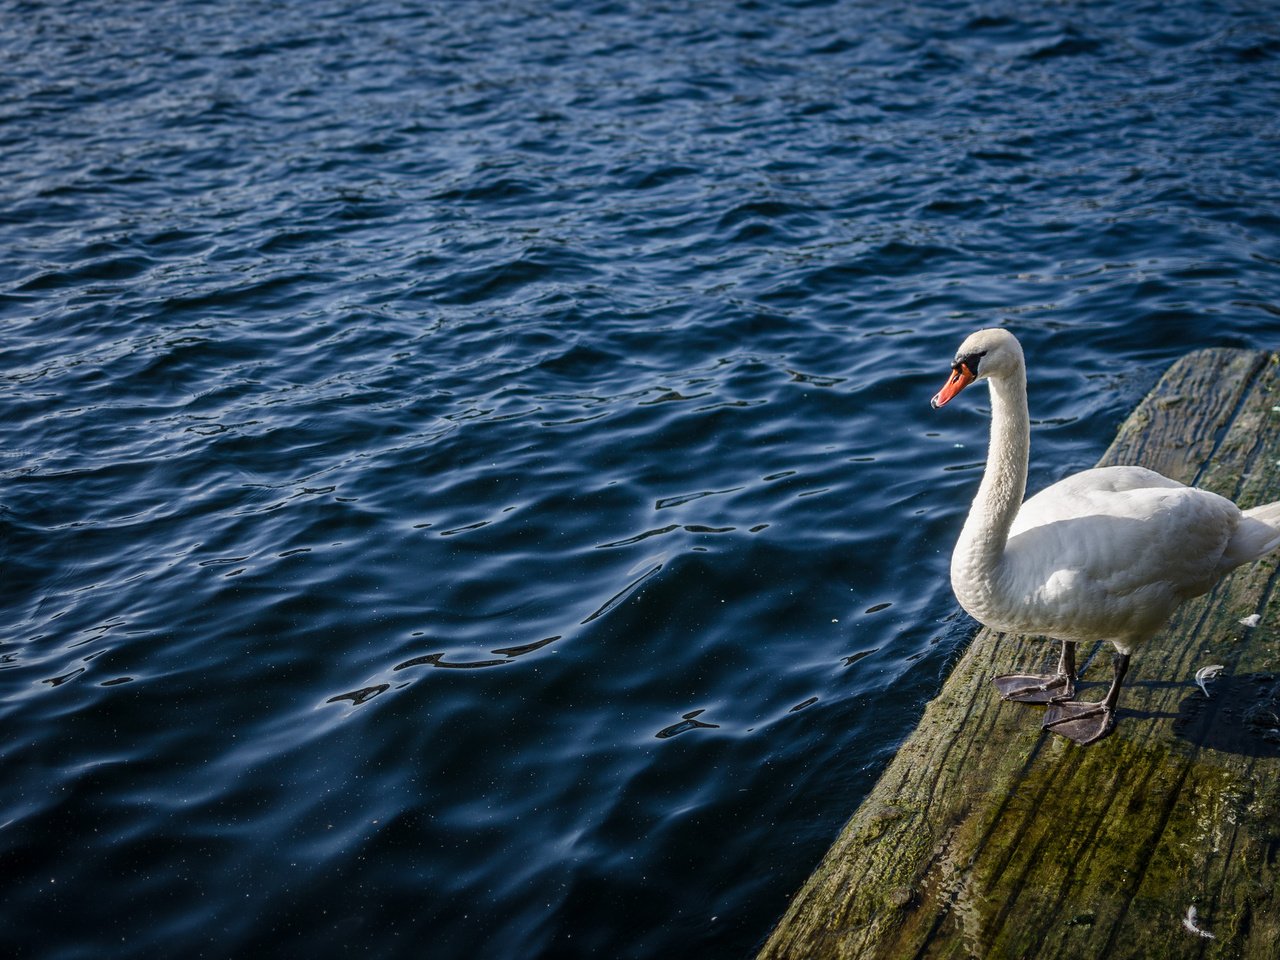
(1042, 688)
(1086, 723)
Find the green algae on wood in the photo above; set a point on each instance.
(987, 837)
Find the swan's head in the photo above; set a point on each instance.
(990, 353)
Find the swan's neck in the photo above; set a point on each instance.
(980, 549)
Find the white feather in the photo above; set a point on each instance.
(1205, 674)
(1189, 921)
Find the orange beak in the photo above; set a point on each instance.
(961, 377)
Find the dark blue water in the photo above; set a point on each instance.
(467, 482)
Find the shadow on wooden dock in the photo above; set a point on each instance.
(989, 838)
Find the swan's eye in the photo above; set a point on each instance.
(970, 362)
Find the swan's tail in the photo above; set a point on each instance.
(1257, 535)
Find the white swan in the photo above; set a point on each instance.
(1106, 554)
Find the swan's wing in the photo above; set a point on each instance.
(1133, 543)
(1087, 492)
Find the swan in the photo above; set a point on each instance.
(1105, 554)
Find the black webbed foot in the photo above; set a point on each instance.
(1077, 720)
(1035, 688)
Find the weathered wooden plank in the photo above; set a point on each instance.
(987, 837)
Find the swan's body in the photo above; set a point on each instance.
(1106, 554)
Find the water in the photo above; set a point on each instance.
(467, 482)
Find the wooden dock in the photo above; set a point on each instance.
(988, 838)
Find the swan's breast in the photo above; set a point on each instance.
(1056, 595)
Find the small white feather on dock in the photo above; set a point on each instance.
(1189, 921)
(1204, 674)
